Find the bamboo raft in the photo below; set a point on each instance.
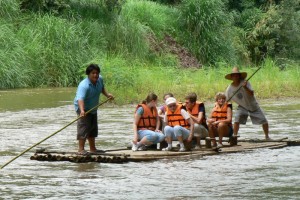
(127, 155)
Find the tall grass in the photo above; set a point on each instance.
(42, 50)
(91, 10)
(207, 30)
(12, 59)
(140, 22)
(131, 83)
(46, 51)
(273, 82)
(9, 9)
(60, 48)
(158, 18)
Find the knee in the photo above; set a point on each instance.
(177, 129)
(168, 130)
(161, 137)
(221, 125)
(152, 138)
(210, 125)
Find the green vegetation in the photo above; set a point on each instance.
(47, 43)
(130, 83)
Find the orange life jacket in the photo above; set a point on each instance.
(220, 113)
(195, 112)
(175, 118)
(148, 119)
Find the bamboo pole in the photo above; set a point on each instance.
(54, 133)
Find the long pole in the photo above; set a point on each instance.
(54, 133)
(242, 85)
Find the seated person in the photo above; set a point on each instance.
(196, 110)
(162, 109)
(220, 120)
(179, 125)
(146, 124)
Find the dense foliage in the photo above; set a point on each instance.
(49, 42)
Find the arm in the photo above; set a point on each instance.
(166, 119)
(187, 117)
(81, 107)
(137, 118)
(200, 116)
(198, 119)
(248, 88)
(190, 138)
(161, 113)
(229, 115)
(210, 120)
(108, 95)
(157, 124)
(81, 95)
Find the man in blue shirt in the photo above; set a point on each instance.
(87, 97)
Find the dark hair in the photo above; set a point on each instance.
(149, 98)
(192, 97)
(92, 67)
(168, 94)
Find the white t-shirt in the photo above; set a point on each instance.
(242, 98)
(183, 112)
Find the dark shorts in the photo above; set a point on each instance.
(230, 132)
(87, 126)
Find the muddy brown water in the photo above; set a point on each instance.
(28, 116)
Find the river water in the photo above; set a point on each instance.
(28, 116)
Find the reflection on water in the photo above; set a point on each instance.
(35, 98)
(261, 174)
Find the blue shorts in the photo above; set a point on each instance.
(152, 136)
(176, 131)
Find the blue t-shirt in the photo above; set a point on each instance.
(89, 93)
(140, 111)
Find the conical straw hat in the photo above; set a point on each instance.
(235, 70)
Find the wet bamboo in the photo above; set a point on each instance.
(54, 133)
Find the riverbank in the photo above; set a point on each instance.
(37, 98)
(131, 85)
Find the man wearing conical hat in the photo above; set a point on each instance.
(241, 92)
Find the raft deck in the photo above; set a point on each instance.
(127, 155)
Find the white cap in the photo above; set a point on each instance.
(170, 100)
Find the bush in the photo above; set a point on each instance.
(45, 6)
(206, 30)
(288, 44)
